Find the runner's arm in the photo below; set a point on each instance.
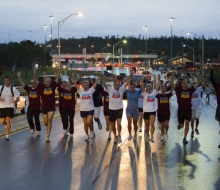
(97, 80)
(197, 79)
(128, 82)
(104, 82)
(172, 82)
(19, 79)
(35, 78)
(158, 83)
(142, 83)
(74, 81)
(58, 76)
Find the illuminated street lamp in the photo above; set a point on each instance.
(60, 23)
(193, 57)
(45, 30)
(202, 40)
(171, 50)
(124, 41)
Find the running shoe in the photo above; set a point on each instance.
(109, 137)
(162, 138)
(152, 139)
(192, 134)
(38, 133)
(140, 130)
(32, 132)
(129, 137)
(99, 125)
(185, 141)
(197, 131)
(119, 139)
(64, 132)
(7, 137)
(165, 136)
(71, 136)
(178, 127)
(87, 138)
(116, 140)
(92, 135)
(135, 137)
(107, 128)
(47, 138)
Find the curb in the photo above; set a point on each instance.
(25, 127)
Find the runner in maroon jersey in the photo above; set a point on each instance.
(33, 110)
(68, 107)
(106, 111)
(184, 95)
(48, 100)
(163, 112)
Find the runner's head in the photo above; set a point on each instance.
(148, 88)
(33, 84)
(132, 87)
(85, 85)
(138, 83)
(116, 85)
(7, 81)
(184, 84)
(64, 84)
(161, 82)
(163, 89)
(68, 85)
(47, 81)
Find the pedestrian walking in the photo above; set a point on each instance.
(33, 110)
(116, 106)
(149, 108)
(9, 96)
(184, 95)
(217, 90)
(86, 105)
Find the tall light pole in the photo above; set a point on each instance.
(60, 23)
(124, 41)
(108, 45)
(202, 40)
(45, 48)
(171, 50)
(51, 19)
(145, 28)
(193, 57)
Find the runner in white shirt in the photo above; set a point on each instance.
(9, 96)
(149, 108)
(86, 105)
(196, 101)
(116, 106)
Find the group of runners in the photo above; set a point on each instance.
(145, 100)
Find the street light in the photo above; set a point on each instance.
(124, 41)
(202, 39)
(45, 30)
(60, 23)
(51, 18)
(108, 45)
(145, 28)
(193, 57)
(171, 21)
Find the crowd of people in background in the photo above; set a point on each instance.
(146, 101)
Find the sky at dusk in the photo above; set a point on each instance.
(25, 19)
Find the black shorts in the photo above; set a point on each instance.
(148, 114)
(46, 110)
(106, 113)
(140, 110)
(6, 112)
(184, 115)
(217, 114)
(163, 117)
(115, 114)
(84, 114)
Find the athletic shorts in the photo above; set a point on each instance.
(217, 114)
(84, 114)
(46, 110)
(140, 110)
(132, 112)
(97, 111)
(106, 112)
(115, 114)
(148, 114)
(6, 112)
(163, 117)
(184, 115)
(196, 113)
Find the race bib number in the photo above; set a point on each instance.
(47, 91)
(185, 95)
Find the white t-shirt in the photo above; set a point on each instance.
(86, 100)
(8, 98)
(196, 98)
(149, 103)
(115, 97)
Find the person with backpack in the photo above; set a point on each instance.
(9, 96)
(33, 110)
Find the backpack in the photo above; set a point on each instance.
(11, 90)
